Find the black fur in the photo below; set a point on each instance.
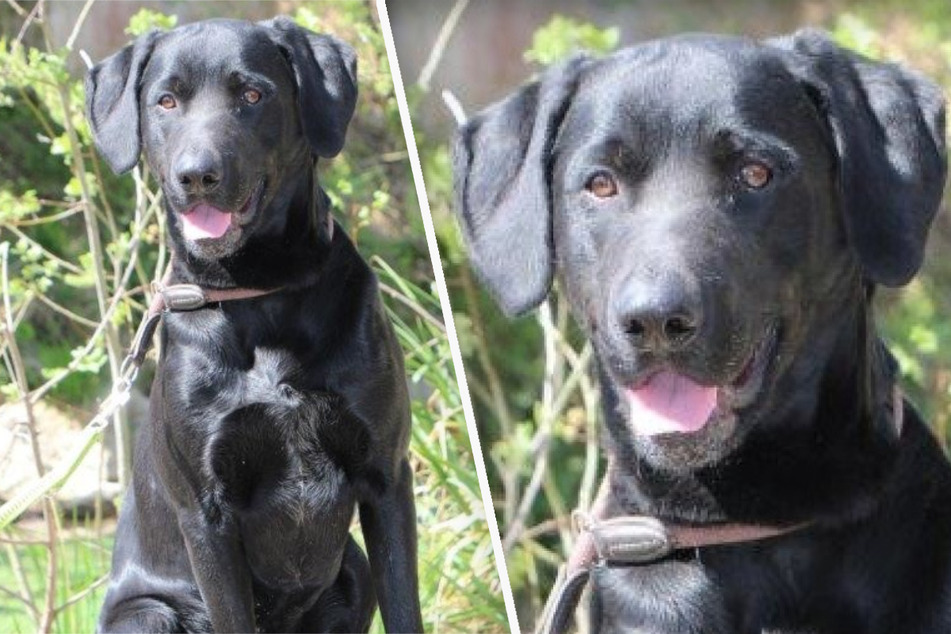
(689, 268)
(272, 418)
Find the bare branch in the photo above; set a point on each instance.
(439, 46)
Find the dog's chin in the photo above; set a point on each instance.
(683, 446)
(209, 232)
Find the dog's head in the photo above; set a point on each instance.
(711, 205)
(229, 114)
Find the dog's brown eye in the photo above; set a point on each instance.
(251, 96)
(602, 185)
(755, 175)
(167, 101)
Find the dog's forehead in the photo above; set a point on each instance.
(686, 81)
(216, 48)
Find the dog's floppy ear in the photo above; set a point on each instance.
(888, 127)
(326, 73)
(501, 168)
(112, 103)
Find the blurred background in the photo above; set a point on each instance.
(78, 248)
(536, 402)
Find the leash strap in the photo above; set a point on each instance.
(562, 602)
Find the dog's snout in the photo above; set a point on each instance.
(658, 316)
(198, 172)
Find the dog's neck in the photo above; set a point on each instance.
(288, 250)
(807, 459)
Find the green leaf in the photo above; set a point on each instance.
(146, 20)
(13, 207)
(86, 279)
(563, 36)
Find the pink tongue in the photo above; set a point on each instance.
(670, 402)
(205, 221)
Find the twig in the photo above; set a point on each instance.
(91, 343)
(79, 24)
(26, 594)
(551, 525)
(113, 347)
(49, 605)
(579, 371)
(499, 404)
(19, 368)
(13, 541)
(454, 106)
(591, 398)
(33, 16)
(65, 312)
(20, 11)
(480, 391)
(559, 509)
(541, 441)
(18, 597)
(69, 266)
(439, 46)
(420, 311)
(49, 510)
(42, 220)
(82, 594)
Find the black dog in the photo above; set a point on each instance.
(271, 417)
(718, 211)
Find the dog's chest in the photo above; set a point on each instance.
(280, 460)
(671, 596)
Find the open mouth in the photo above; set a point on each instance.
(204, 221)
(668, 402)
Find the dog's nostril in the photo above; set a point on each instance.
(209, 179)
(635, 328)
(678, 328)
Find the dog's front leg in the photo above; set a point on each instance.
(220, 570)
(389, 526)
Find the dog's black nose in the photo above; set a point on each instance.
(198, 172)
(658, 315)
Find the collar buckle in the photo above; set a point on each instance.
(181, 297)
(633, 539)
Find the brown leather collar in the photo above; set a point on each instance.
(181, 298)
(641, 539)
(633, 540)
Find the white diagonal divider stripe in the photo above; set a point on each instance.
(447, 315)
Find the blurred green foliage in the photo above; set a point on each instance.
(562, 36)
(146, 20)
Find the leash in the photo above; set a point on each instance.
(167, 298)
(640, 540)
